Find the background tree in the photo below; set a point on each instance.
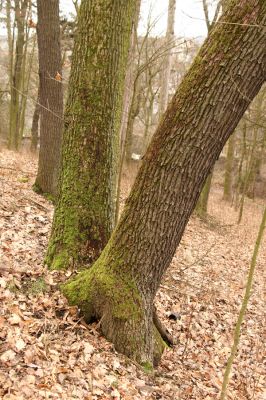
(35, 125)
(166, 70)
(120, 287)
(16, 67)
(51, 96)
(202, 204)
(85, 212)
(244, 305)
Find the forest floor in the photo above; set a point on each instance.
(47, 352)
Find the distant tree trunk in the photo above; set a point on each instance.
(51, 96)
(10, 41)
(127, 101)
(202, 204)
(243, 309)
(247, 176)
(166, 70)
(120, 287)
(132, 114)
(129, 80)
(239, 180)
(20, 16)
(257, 117)
(229, 165)
(85, 213)
(35, 125)
(28, 61)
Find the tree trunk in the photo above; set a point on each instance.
(28, 61)
(127, 101)
(166, 70)
(202, 204)
(244, 305)
(85, 213)
(15, 91)
(35, 125)
(228, 176)
(257, 117)
(51, 96)
(120, 287)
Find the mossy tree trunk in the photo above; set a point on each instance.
(51, 96)
(120, 287)
(85, 212)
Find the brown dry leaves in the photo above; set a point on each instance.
(46, 350)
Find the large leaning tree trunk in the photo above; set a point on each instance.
(119, 289)
(85, 213)
(51, 96)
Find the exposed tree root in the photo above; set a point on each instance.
(161, 329)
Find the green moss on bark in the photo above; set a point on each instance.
(99, 285)
(85, 212)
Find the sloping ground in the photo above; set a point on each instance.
(48, 352)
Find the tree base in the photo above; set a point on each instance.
(126, 318)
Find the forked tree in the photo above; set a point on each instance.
(85, 212)
(120, 287)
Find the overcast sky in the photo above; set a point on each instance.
(189, 16)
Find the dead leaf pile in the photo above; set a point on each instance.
(48, 352)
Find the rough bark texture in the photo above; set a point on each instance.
(85, 212)
(225, 76)
(51, 96)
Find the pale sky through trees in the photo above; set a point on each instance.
(189, 16)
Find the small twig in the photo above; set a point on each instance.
(38, 204)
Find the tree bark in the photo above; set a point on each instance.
(120, 287)
(85, 212)
(51, 96)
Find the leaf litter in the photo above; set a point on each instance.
(48, 352)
